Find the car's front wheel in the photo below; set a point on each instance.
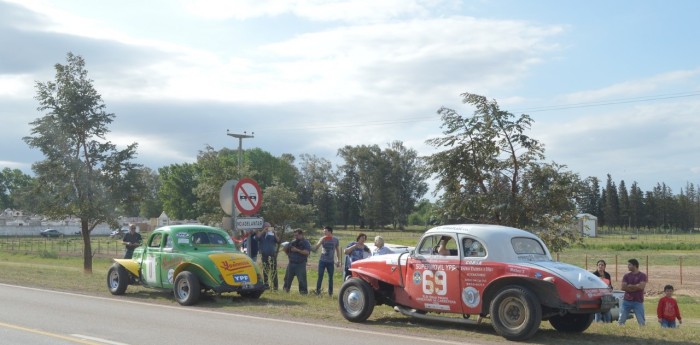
(356, 300)
(516, 313)
(187, 288)
(571, 323)
(117, 279)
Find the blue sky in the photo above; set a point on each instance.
(613, 86)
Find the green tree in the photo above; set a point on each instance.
(591, 197)
(624, 205)
(12, 184)
(317, 186)
(611, 204)
(83, 174)
(406, 182)
(150, 206)
(176, 193)
(489, 171)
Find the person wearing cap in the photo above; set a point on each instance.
(330, 253)
(298, 252)
(131, 241)
(268, 249)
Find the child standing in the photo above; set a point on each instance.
(667, 311)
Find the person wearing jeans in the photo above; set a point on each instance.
(633, 284)
(330, 251)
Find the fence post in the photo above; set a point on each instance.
(647, 267)
(616, 267)
(681, 258)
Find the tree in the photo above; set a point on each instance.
(150, 205)
(406, 181)
(12, 184)
(176, 192)
(83, 174)
(316, 187)
(611, 204)
(490, 171)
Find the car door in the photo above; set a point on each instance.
(433, 279)
(151, 267)
(475, 273)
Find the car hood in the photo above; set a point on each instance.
(576, 276)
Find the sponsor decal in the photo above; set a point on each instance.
(182, 235)
(171, 272)
(470, 297)
(437, 306)
(241, 278)
(416, 278)
(516, 270)
(231, 265)
(472, 262)
(538, 275)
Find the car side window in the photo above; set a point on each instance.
(473, 248)
(200, 238)
(155, 241)
(428, 246)
(168, 242)
(443, 245)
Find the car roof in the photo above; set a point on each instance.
(188, 228)
(491, 235)
(485, 231)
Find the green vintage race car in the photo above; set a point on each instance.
(190, 260)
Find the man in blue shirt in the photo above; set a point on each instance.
(298, 252)
(268, 249)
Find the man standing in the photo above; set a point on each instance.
(330, 249)
(131, 241)
(298, 251)
(268, 249)
(633, 284)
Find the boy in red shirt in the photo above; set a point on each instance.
(667, 311)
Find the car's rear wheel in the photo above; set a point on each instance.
(516, 313)
(117, 279)
(571, 323)
(356, 300)
(186, 288)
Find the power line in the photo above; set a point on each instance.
(524, 110)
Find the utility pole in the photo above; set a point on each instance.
(240, 155)
(240, 144)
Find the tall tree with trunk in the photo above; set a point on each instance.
(490, 171)
(83, 174)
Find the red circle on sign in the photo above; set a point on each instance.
(247, 196)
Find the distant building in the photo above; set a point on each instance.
(587, 224)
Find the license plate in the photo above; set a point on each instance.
(247, 286)
(241, 278)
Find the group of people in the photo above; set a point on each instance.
(299, 249)
(633, 284)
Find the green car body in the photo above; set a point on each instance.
(188, 259)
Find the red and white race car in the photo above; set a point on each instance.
(493, 271)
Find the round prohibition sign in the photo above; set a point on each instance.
(247, 196)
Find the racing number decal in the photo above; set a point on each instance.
(434, 282)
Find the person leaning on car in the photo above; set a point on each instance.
(131, 241)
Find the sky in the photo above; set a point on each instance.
(613, 87)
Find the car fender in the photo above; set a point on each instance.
(388, 268)
(545, 291)
(203, 275)
(130, 265)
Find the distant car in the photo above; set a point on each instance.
(493, 271)
(188, 260)
(118, 233)
(51, 233)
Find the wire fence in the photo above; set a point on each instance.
(55, 247)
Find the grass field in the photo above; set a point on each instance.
(57, 271)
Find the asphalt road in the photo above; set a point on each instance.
(37, 316)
